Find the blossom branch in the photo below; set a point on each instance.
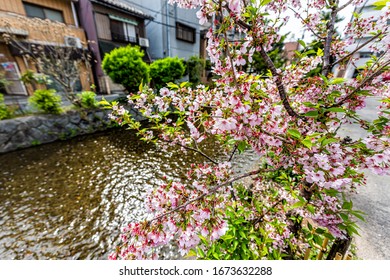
(362, 84)
(344, 6)
(279, 83)
(356, 50)
(303, 20)
(194, 150)
(213, 190)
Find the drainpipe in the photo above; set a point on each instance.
(167, 30)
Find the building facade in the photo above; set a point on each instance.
(367, 10)
(45, 23)
(110, 24)
(173, 31)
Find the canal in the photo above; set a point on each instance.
(70, 199)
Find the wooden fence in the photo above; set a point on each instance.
(338, 250)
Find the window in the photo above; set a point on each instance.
(365, 54)
(122, 31)
(43, 12)
(185, 33)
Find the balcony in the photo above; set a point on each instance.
(123, 38)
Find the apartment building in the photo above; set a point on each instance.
(22, 19)
(110, 24)
(173, 31)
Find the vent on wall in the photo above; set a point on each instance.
(74, 42)
(144, 42)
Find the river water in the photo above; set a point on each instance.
(70, 199)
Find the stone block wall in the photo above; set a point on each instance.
(33, 130)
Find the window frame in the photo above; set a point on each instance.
(182, 32)
(45, 11)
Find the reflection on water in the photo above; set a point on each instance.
(69, 200)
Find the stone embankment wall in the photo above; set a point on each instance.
(34, 130)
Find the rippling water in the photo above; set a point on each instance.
(69, 200)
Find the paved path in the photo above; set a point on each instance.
(373, 199)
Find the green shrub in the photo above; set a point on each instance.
(195, 67)
(46, 100)
(5, 112)
(166, 70)
(125, 66)
(87, 99)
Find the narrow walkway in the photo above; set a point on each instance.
(22, 100)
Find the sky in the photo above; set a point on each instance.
(295, 27)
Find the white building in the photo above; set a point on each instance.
(360, 58)
(172, 32)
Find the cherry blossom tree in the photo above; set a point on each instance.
(297, 193)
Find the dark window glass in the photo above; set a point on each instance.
(42, 12)
(123, 32)
(365, 54)
(185, 33)
(53, 15)
(34, 11)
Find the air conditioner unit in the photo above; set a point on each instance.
(74, 42)
(144, 42)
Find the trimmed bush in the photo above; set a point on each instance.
(195, 67)
(166, 70)
(46, 100)
(87, 99)
(125, 66)
(5, 112)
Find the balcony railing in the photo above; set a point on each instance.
(123, 38)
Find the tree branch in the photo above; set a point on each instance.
(328, 41)
(302, 19)
(194, 150)
(362, 84)
(278, 78)
(211, 191)
(279, 83)
(356, 50)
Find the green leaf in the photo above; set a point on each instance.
(336, 110)
(294, 133)
(309, 104)
(344, 217)
(191, 253)
(320, 52)
(307, 143)
(104, 102)
(183, 84)
(337, 81)
(242, 234)
(320, 231)
(328, 141)
(298, 204)
(216, 255)
(227, 237)
(364, 93)
(200, 252)
(172, 85)
(242, 146)
(313, 114)
(325, 79)
(347, 205)
(358, 214)
(302, 43)
(264, 2)
(379, 5)
(311, 208)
